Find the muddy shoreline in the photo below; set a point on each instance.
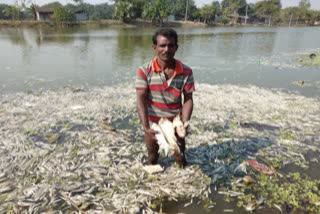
(80, 150)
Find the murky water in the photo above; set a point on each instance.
(49, 58)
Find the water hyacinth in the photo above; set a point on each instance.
(81, 150)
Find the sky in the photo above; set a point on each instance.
(315, 4)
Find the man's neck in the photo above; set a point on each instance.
(166, 65)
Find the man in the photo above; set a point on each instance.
(160, 85)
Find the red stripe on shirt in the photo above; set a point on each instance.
(156, 119)
(141, 74)
(188, 87)
(157, 87)
(174, 91)
(172, 106)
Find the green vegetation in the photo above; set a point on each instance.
(30, 132)
(288, 136)
(308, 60)
(61, 14)
(292, 193)
(268, 9)
(157, 11)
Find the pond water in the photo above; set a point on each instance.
(50, 58)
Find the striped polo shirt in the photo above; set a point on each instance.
(164, 96)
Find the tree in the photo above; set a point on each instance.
(61, 14)
(2, 11)
(304, 4)
(217, 7)
(178, 8)
(233, 7)
(304, 14)
(124, 9)
(101, 11)
(251, 10)
(290, 14)
(315, 16)
(208, 12)
(31, 11)
(12, 11)
(268, 9)
(157, 10)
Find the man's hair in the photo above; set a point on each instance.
(166, 32)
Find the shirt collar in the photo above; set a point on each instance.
(177, 70)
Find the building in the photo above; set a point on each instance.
(80, 15)
(45, 14)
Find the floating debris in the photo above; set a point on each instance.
(261, 167)
(53, 138)
(309, 59)
(152, 169)
(251, 206)
(248, 180)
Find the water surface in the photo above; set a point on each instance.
(49, 58)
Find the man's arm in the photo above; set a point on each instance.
(142, 107)
(143, 113)
(187, 107)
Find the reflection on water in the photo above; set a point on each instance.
(46, 57)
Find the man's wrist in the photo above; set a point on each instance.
(146, 128)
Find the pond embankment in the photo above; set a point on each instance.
(77, 149)
(112, 22)
(100, 23)
(131, 23)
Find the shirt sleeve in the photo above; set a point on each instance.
(189, 84)
(141, 79)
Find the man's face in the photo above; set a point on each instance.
(165, 48)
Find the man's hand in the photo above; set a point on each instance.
(151, 133)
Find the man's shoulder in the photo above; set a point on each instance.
(187, 70)
(146, 66)
(186, 67)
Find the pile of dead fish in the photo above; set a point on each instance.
(81, 150)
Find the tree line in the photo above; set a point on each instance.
(228, 11)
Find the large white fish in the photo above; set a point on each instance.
(179, 126)
(166, 139)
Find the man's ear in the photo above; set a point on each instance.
(177, 46)
(154, 46)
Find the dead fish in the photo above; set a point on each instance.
(260, 201)
(5, 189)
(251, 206)
(106, 126)
(180, 127)
(166, 138)
(248, 180)
(53, 138)
(278, 207)
(152, 169)
(241, 167)
(76, 107)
